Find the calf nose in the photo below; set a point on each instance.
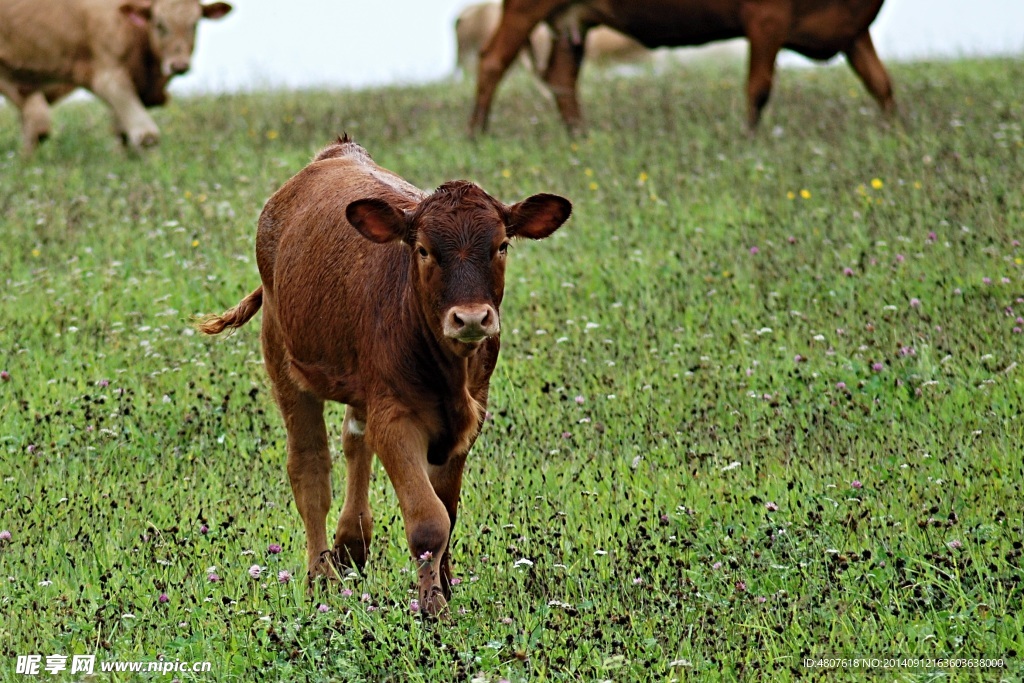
(471, 323)
(178, 67)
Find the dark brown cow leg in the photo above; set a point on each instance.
(866, 64)
(447, 482)
(355, 526)
(562, 74)
(766, 31)
(508, 39)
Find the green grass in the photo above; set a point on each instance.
(693, 515)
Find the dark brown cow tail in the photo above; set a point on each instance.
(235, 317)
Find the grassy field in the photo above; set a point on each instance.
(759, 401)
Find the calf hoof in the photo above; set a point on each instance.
(433, 604)
(350, 553)
(323, 573)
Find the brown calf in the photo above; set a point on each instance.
(818, 29)
(385, 298)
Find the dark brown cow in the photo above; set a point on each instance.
(383, 297)
(818, 29)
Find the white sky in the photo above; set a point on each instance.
(302, 43)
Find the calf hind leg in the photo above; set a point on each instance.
(309, 470)
(355, 526)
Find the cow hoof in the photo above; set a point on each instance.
(149, 140)
(144, 140)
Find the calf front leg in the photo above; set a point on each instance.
(401, 446)
(355, 526)
(447, 482)
(115, 88)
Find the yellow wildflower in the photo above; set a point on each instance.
(805, 194)
(876, 183)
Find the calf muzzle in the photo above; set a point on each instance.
(471, 324)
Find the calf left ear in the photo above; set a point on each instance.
(377, 221)
(538, 216)
(216, 10)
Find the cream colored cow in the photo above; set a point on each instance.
(123, 51)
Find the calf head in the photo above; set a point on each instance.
(458, 238)
(172, 28)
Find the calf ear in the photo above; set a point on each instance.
(216, 10)
(538, 216)
(139, 12)
(377, 221)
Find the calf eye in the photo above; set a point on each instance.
(503, 249)
(422, 252)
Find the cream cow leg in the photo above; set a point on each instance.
(34, 112)
(131, 118)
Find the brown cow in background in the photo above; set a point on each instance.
(383, 297)
(123, 51)
(818, 29)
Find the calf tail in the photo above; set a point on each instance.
(235, 317)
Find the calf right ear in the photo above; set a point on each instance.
(538, 216)
(377, 221)
(139, 12)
